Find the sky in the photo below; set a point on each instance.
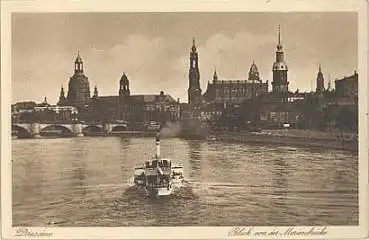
(153, 49)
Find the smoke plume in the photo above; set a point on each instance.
(170, 130)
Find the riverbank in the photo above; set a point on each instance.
(311, 139)
(121, 133)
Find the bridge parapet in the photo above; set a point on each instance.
(76, 129)
(35, 129)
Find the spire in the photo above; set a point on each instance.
(279, 46)
(78, 58)
(62, 93)
(96, 93)
(215, 75)
(320, 81)
(193, 45)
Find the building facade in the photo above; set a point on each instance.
(347, 86)
(44, 113)
(134, 109)
(235, 91)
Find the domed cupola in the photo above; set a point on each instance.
(78, 65)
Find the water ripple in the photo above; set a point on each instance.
(88, 182)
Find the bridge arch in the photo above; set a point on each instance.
(56, 130)
(118, 128)
(92, 128)
(20, 132)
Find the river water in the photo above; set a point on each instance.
(88, 181)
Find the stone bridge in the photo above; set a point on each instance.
(71, 129)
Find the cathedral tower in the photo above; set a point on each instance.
(124, 97)
(194, 90)
(320, 81)
(79, 87)
(280, 83)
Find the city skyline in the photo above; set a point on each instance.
(160, 56)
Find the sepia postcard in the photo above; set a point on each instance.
(184, 119)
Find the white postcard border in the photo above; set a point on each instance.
(333, 232)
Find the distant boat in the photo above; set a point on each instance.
(158, 177)
(211, 138)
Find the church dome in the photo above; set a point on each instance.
(280, 66)
(79, 79)
(80, 84)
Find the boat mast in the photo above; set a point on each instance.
(157, 143)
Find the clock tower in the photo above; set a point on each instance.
(280, 69)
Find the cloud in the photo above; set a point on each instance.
(146, 62)
(158, 59)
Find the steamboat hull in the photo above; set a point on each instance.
(156, 192)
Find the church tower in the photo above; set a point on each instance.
(124, 97)
(62, 99)
(79, 87)
(320, 81)
(280, 83)
(194, 90)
